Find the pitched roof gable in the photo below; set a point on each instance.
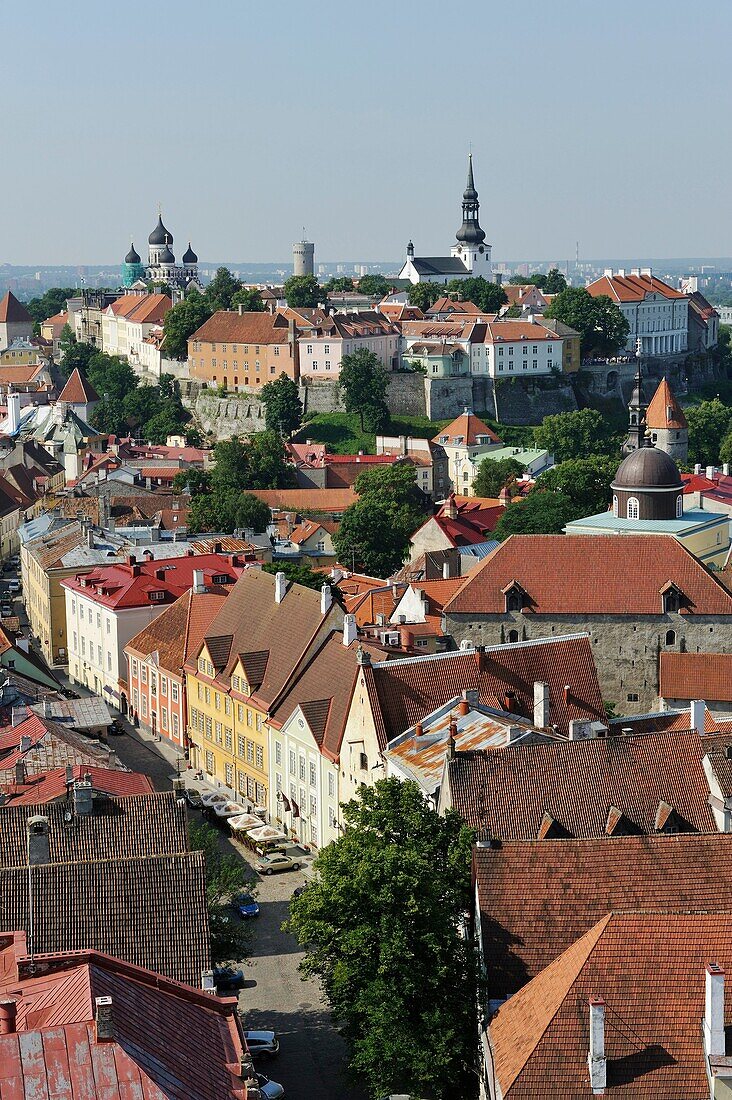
(78, 389)
(12, 311)
(466, 428)
(664, 410)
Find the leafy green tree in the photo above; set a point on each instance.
(484, 294)
(525, 280)
(363, 382)
(303, 291)
(50, 303)
(194, 436)
(555, 282)
(298, 574)
(169, 420)
(380, 925)
(375, 531)
(269, 467)
(575, 434)
(539, 513)
(231, 465)
(709, 423)
(182, 321)
(226, 876)
(111, 376)
(141, 405)
(584, 481)
(108, 417)
(250, 300)
(340, 285)
(602, 327)
(282, 405)
(376, 286)
(75, 354)
(424, 295)
(227, 510)
(192, 480)
(493, 476)
(221, 290)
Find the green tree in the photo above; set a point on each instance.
(526, 280)
(141, 404)
(297, 574)
(227, 510)
(583, 481)
(192, 480)
(269, 467)
(424, 295)
(340, 285)
(221, 290)
(539, 513)
(231, 464)
(376, 286)
(303, 291)
(111, 375)
(575, 434)
(375, 531)
(49, 304)
(380, 925)
(226, 876)
(182, 321)
(74, 354)
(484, 294)
(363, 382)
(554, 282)
(709, 423)
(493, 476)
(250, 300)
(602, 327)
(108, 417)
(282, 405)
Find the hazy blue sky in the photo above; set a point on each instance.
(607, 123)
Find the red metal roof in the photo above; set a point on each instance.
(45, 787)
(134, 583)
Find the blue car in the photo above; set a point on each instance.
(246, 906)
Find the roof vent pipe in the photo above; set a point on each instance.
(199, 585)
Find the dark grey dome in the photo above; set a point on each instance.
(189, 256)
(132, 257)
(648, 468)
(166, 256)
(160, 235)
(470, 233)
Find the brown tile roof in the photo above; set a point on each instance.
(179, 630)
(591, 575)
(143, 308)
(270, 637)
(696, 676)
(78, 390)
(664, 410)
(242, 328)
(649, 968)
(403, 692)
(466, 427)
(505, 792)
(12, 311)
(20, 374)
(537, 897)
(307, 501)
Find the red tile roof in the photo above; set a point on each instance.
(307, 500)
(403, 692)
(12, 311)
(537, 897)
(591, 575)
(78, 390)
(466, 427)
(696, 676)
(664, 410)
(55, 1052)
(631, 288)
(133, 584)
(505, 792)
(43, 787)
(242, 328)
(143, 308)
(179, 630)
(650, 971)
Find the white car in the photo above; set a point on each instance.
(262, 1043)
(273, 1090)
(14, 587)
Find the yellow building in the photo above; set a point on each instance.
(259, 638)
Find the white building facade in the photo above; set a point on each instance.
(303, 783)
(657, 314)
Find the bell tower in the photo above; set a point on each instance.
(471, 247)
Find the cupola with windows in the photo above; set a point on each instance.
(648, 486)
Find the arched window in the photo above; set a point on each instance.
(615, 504)
(632, 509)
(679, 506)
(513, 635)
(670, 637)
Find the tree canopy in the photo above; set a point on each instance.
(152, 412)
(423, 295)
(380, 925)
(364, 382)
(226, 876)
(303, 291)
(554, 282)
(602, 327)
(376, 286)
(576, 434)
(339, 284)
(297, 574)
(282, 405)
(249, 300)
(50, 303)
(375, 531)
(493, 475)
(182, 321)
(584, 481)
(709, 425)
(219, 497)
(221, 290)
(484, 294)
(540, 513)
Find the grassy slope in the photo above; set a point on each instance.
(342, 431)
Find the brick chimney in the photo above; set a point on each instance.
(83, 796)
(596, 1056)
(104, 1019)
(463, 707)
(8, 1016)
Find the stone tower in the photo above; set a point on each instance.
(667, 424)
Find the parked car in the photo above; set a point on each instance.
(115, 729)
(193, 798)
(246, 906)
(15, 561)
(262, 1044)
(273, 1090)
(13, 587)
(6, 610)
(268, 865)
(226, 977)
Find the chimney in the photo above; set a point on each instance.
(199, 585)
(451, 742)
(13, 401)
(19, 772)
(103, 1018)
(349, 630)
(509, 700)
(714, 1040)
(69, 774)
(463, 707)
(418, 729)
(83, 796)
(90, 537)
(39, 849)
(280, 587)
(697, 467)
(596, 1057)
(148, 555)
(710, 473)
(725, 469)
(207, 982)
(541, 705)
(446, 570)
(8, 1016)
(363, 657)
(697, 715)
(326, 599)
(514, 734)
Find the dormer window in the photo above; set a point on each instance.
(157, 596)
(632, 508)
(221, 578)
(514, 596)
(671, 598)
